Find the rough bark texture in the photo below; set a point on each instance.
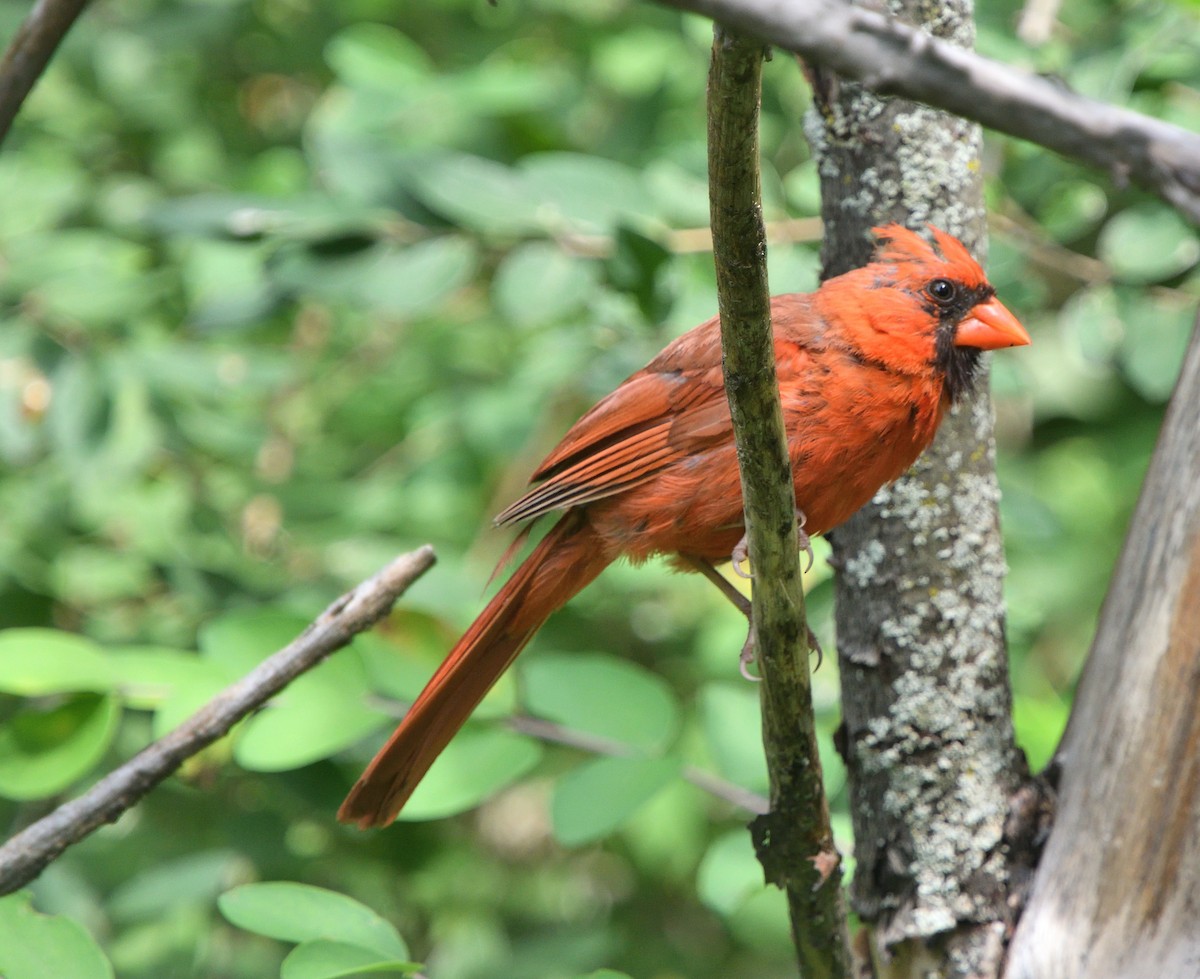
(920, 619)
(794, 840)
(1117, 893)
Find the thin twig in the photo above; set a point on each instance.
(892, 58)
(594, 744)
(688, 241)
(714, 785)
(794, 841)
(28, 853)
(30, 51)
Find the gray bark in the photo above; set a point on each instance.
(1117, 893)
(920, 618)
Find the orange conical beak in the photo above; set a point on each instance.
(989, 326)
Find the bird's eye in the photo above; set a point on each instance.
(943, 291)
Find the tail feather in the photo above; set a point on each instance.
(567, 559)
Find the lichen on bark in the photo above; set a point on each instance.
(927, 732)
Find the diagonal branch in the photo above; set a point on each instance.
(893, 58)
(28, 853)
(30, 51)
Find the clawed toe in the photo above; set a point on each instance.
(740, 556)
(741, 550)
(747, 658)
(815, 645)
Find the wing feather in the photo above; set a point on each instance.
(650, 422)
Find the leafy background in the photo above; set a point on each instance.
(290, 287)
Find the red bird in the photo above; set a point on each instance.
(867, 366)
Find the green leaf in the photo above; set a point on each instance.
(322, 959)
(225, 282)
(538, 284)
(39, 191)
(35, 946)
(1039, 723)
(396, 281)
(598, 797)
(315, 716)
(100, 575)
(636, 61)
(732, 720)
(238, 641)
(474, 766)
(1157, 332)
(301, 913)
(77, 410)
(1148, 243)
(636, 267)
(192, 880)
(37, 662)
(1072, 209)
(414, 280)
(729, 873)
(44, 751)
(147, 676)
(602, 695)
(586, 193)
(479, 194)
(91, 277)
(374, 56)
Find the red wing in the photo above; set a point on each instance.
(673, 408)
(652, 420)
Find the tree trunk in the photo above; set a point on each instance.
(927, 733)
(1118, 890)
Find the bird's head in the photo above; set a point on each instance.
(925, 306)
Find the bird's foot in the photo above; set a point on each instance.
(740, 601)
(741, 550)
(748, 658)
(815, 645)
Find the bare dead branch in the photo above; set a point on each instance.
(892, 58)
(1116, 894)
(28, 853)
(30, 51)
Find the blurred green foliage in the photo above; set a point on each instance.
(290, 287)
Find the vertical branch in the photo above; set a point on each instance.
(794, 841)
(928, 737)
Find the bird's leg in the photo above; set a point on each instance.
(741, 554)
(706, 568)
(740, 601)
(741, 550)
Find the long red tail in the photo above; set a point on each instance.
(565, 561)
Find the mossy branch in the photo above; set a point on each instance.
(793, 840)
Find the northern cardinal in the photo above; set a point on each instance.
(867, 366)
